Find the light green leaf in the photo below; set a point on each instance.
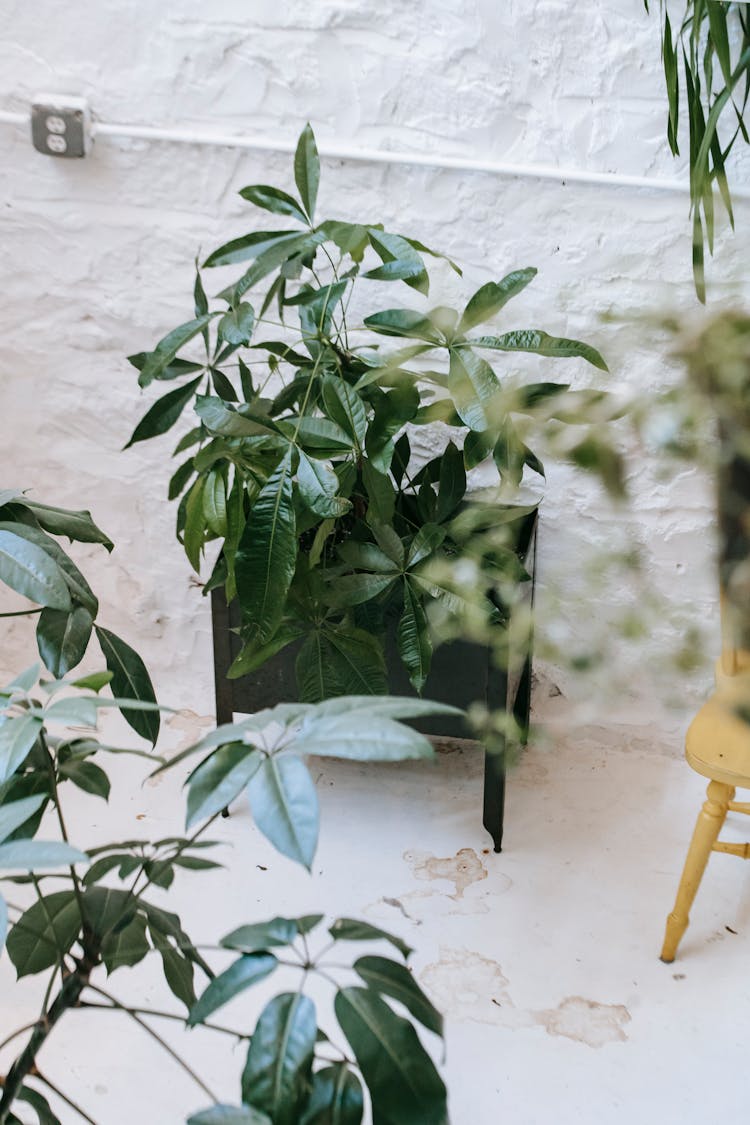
(30, 571)
(67, 570)
(215, 502)
(215, 783)
(164, 413)
(387, 706)
(279, 1061)
(404, 322)
(226, 421)
(494, 296)
(80, 710)
(284, 804)
(348, 736)
(241, 975)
(62, 638)
(401, 262)
(472, 383)
(13, 815)
(38, 855)
(307, 170)
(230, 1115)
(17, 736)
(130, 680)
(236, 326)
(94, 682)
(267, 554)
(404, 1085)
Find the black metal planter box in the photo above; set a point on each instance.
(461, 674)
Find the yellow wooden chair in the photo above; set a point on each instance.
(718, 746)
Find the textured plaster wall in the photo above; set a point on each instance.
(97, 254)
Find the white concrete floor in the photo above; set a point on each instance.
(544, 958)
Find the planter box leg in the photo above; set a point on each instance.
(494, 796)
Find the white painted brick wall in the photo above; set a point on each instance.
(97, 255)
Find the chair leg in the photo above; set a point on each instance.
(707, 828)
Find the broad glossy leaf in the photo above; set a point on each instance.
(351, 238)
(267, 554)
(388, 706)
(452, 482)
(403, 322)
(404, 1085)
(345, 407)
(62, 637)
(30, 571)
(253, 656)
(471, 383)
(494, 296)
(347, 736)
(340, 660)
(263, 935)
(381, 495)
(79, 710)
(44, 933)
(253, 245)
(236, 326)
(16, 813)
(241, 975)
(367, 556)
(77, 526)
(274, 200)
(390, 978)
(94, 682)
(540, 343)
(164, 413)
(401, 262)
(130, 680)
(39, 1104)
(307, 170)
(280, 1057)
(215, 502)
(3, 922)
(227, 421)
(165, 351)
(477, 447)
(126, 946)
(230, 1115)
(427, 540)
(17, 736)
(38, 855)
(353, 589)
(71, 575)
(352, 929)
(87, 776)
(284, 804)
(319, 486)
(509, 453)
(215, 783)
(336, 1097)
(320, 435)
(413, 639)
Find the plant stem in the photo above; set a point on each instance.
(22, 612)
(14, 1034)
(64, 1098)
(164, 1016)
(154, 1035)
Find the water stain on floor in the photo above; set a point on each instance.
(469, 987)
(461, 869)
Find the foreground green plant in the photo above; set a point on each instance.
(301, 466)
(710, 44)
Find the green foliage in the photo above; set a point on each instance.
(306, 437)
(710, 46)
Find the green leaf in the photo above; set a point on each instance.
(307, 170)
(284, 804)
(94, 682)
(341, 660)
(427, 540)
(401, 262)
(267, 554)
(404, 322)
(494, 296)
(538, 342)
(127, 946)
(215, 783)
(3, 922)
(15, 814)
(44, 933)
(381, 495)
(178, 970)
(347, 736)
(452, 482)
(87, 776)
(413, 639)
(509, 453)
(387, 706)
(354, 589)
(390, 978)
(351, 238)
(351, 929)
(236, 326)
(130, 680)
(71, 575)
(274, 200)
(404, 1085)
(230, 1115)
(17, 736)
(80, 710)
(39, 1104)
(180, 478)
(318, 434)
(253, 656)
(472, 383)
(262, 935)
(164, 413)
(366, 556)
(241, 975)
(30, 571)
(62, 638)
(345, 407)
(253, 245)
(159, 359)
(77, 526)
(226, 421)
(215, 502)
(336, 1097)
(31, 855)
(318, 486)
(279, 1060)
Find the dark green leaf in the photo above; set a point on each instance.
(62, 638)
(280, 1057)
(164, 413)
(30, 571)
(253, 656)
(351, 929)
(319, 486)
(77, 526)
(509, 453)
(262, 935)
(267, 554)
(340, 661)
(284, 803)
(538, 342)
(452, 483)
(15, 814)
(71, 575)
(307, 170)
(130, 680)
(44, 933)
(353, 589)
(404, 1085)
(87, 776)
(180, 478)
(126, 946)
(393, 979)
(39, 1104)
(413, 639)
(241, 975)
(472, 383)
(223, 385)
(381, 495)
(159, 359)
(427, 540)
(274, 200)
(345, 407)
(336, 1097)
(494, 296)
(404, 322)
(230, 1115)
(401, 262)
(254, 245)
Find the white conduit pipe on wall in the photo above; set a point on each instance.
(382, 156)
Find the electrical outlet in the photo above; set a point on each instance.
(60, 125)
